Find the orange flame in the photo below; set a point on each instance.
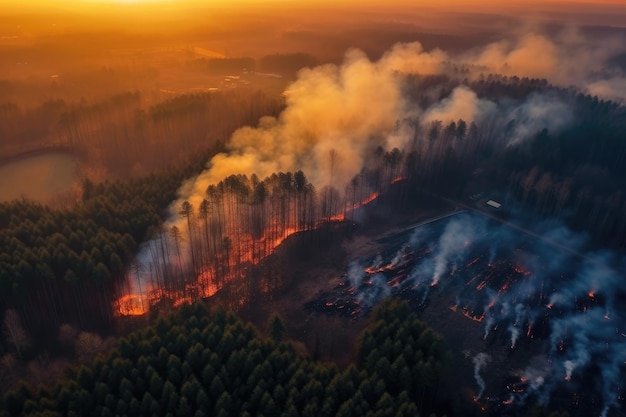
(130, 305)
(473, 261)
(337, 217)
(367, 200)
(471, 316)
(246, 250)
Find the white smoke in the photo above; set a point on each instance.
(567, 58)
(538, 377)
(611, 89)
(454, 243)
(538, 112)
(376, 290)
(514, 327)
(340, 110)
(491, 314)
(463, 103)
(480, 361)
(531, 55)
(355, 275)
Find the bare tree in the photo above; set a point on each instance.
(187, 212)
(176, 237)
(15, 332)
(138, 268)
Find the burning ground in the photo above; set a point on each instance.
(535, 323)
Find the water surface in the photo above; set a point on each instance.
(38, 177)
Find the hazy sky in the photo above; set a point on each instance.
(602, 12)
(464, 4)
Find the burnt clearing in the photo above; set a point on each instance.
(527, 321)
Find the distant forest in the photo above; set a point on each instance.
(61, 269)
(132, 133)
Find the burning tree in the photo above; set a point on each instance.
(239, 222)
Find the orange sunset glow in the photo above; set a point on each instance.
(312, 208)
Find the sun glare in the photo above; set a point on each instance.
(129, 2)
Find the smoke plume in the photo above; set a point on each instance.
(480, 361)
(335, 114)
(566, 58)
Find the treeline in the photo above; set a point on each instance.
(201, 363)
(129, 133)
(577, 174)
(285, 64)
(66, 266)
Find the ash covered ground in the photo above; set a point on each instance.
(537, 317)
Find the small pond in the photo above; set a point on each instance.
(38, 177)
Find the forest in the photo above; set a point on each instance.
(200, 362)
(214, 181)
